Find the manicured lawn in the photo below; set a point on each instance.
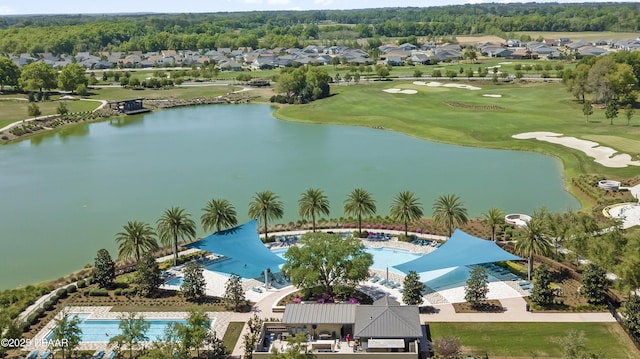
(119, 93)
(17, 110)
(536, 339)
(585, 35)
(232, 335)
(464, 117)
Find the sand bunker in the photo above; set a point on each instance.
(440, 84)
(605, 156)
(505, 63)
(491, 95)
(406, 92)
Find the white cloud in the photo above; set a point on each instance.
(323, 2)
(5, 10)
(252, 1)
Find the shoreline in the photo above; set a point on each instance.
(103, 114)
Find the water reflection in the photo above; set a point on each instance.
(124, 121)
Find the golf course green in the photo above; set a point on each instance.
(469, 118)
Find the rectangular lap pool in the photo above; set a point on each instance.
(101, 330)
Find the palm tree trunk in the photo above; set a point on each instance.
(493, 233)
(529, 267)
(175, 249)
(266, 235)
(313, 221)
(359, 225)
(406, 229)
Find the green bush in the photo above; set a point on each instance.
(118, 291)
(39, 312)
(72, 289)
(62, 293)
(48, 305)
(403, 238)
(98, 292)
(33, 110)
(82, 283)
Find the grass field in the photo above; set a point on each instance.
(587, 35)
(536, 340)
(232, 335)
(17, 110)
(468, 118)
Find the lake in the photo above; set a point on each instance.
(66, 194)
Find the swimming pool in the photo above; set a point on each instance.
(177, 281)
(101, 330)
(243, 268)
(383, 258)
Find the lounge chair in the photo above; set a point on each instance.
(46, 354)
(256, 289)
(383, 282)
(33, 355)
(375, 279)
(98, 355)
(112, 355)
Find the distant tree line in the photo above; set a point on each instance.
(69, 34)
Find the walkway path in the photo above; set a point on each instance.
(515, 311)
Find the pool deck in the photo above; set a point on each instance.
(508, 292)
(220, 321)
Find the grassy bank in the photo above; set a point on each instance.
(464, 117)
(539, 340)
(16, 110)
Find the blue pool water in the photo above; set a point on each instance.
(383, 258)
(99, 330)
(177, 281)
(243, 268)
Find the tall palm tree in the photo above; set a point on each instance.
(406, 207)
(175, 225)
(533, 240)
(138, 238)
(559, 226)
(219, 214)
(494, 217)
(359, 203)
(313, 202)
(266, 205)
(449, 211)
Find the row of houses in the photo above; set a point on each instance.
(551, 48)
(260, 59)
(225, 58)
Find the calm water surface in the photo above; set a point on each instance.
(65, 195)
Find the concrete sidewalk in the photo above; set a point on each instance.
(515, 311)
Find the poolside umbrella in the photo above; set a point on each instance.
(387, 273)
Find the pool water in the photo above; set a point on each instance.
(244, 268)
(101, 330)
(177, 281)
(448, 278)
(384, 258)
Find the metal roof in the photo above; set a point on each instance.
(387, 321)
(319, 313)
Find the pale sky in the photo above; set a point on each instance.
(16, 7)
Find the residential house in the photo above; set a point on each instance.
(590, 51)
(514, 43)
(408, 47)
(394, 60)
(386, 328)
